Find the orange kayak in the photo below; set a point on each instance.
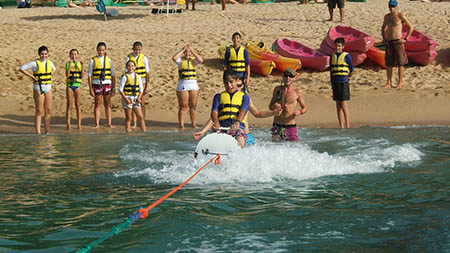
(257, 66)
(261, 67)
(377, 55)
(282, 63)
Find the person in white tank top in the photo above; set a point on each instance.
(187, 88)
(42, 85)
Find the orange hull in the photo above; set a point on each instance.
(282, 63)
(376, 55)
(257, 66)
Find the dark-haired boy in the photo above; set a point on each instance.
(237, 58)
(341, 70)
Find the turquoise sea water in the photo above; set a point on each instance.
(361, 190)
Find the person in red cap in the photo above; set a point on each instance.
(287, 96)
(391, 30)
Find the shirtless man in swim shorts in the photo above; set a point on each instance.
(287, 96)
(391, 31)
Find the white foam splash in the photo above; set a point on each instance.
(267, 163)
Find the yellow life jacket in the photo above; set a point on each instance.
(237, 59)
(140, 66)
(187, 69)
(100, 67)
(43, 73)
(229, 108)
(131, 87)
(338, 65)
(75, 70)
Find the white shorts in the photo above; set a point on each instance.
(135, 104)
(186, 85)
(45, 87)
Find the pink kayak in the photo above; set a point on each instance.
(309, 57)
(418, 41)
(355, 40)
(357, 57)
(421, 57)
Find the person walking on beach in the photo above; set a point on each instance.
(332, 5)
(132, 90)
(287, 96)
(74, 77)
(43, 70)
(187, 88)
(230, 107)
(102, 83)
(391, 30)
(237, 58)
(143, 70)
(341, 70)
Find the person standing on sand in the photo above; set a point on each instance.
(237, 59)
(187, 88)
(332, 5)
(74, 77)
(143, 70)
(43, 70)
(391, 30)
(131, 89)
(287, 96)
(341, 70)
(102, 83)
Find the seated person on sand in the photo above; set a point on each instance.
(87, 3)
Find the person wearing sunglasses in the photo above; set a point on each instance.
(287, 96)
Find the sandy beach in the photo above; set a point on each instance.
(424, 100)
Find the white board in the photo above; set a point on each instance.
(215, 143)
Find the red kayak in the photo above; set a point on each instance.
(418, 41)
(309, 57)
(357, 57)
(355, 40)
(421, 57)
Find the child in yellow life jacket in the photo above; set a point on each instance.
(131, 90)
(187, 89)
(341, 70)
(74, 77)
(102, 83)
(43, 70)
(143, 70)
(238, 59)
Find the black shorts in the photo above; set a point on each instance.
(341, 91)
(332, 4)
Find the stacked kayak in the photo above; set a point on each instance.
(357, 43)
(377, 55)
(257, 66)
(257, 51)
(420, 48)
(309, 57)
(418, 41)
(357, 57)
(355, 40)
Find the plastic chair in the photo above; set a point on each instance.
(165, 4)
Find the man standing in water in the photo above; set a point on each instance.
(287, 96)
(391, 31)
